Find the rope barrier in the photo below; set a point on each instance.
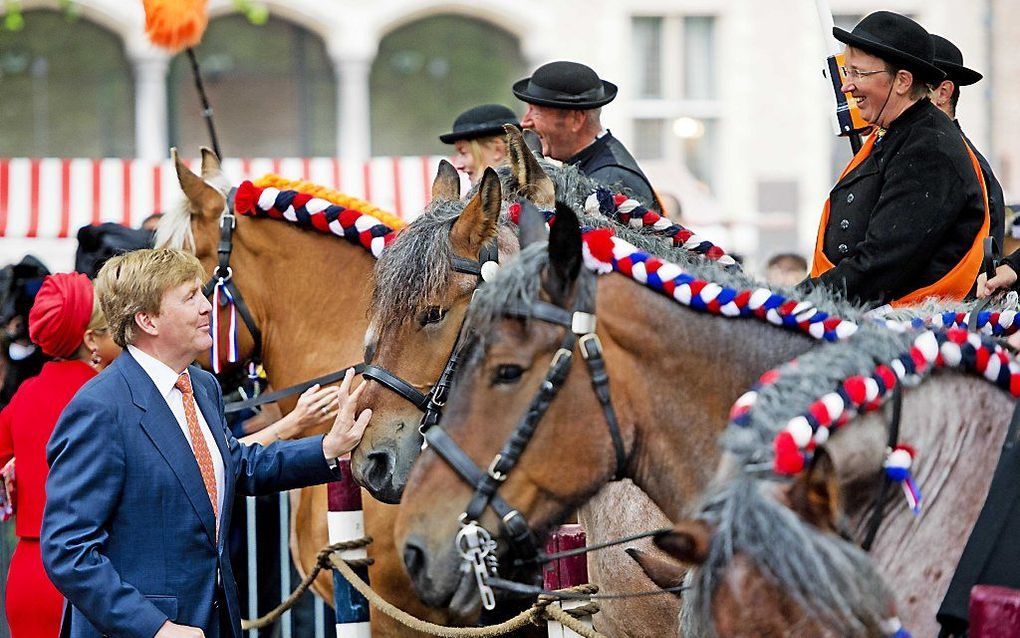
(541, 611)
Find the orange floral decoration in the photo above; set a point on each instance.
(175, 24)
(332, 196)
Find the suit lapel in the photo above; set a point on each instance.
(162, 428)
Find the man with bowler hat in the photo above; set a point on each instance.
(907, 217)
(565, 101)
(946, 96)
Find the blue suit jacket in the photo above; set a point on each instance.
(128, 533)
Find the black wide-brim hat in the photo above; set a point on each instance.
(481, 121)
(949, 58)
(896, 39)
(565, 85)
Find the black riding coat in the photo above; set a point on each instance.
(907, 214)
(608, 161)
(996, 200)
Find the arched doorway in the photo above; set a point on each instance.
(67, 89)
(272, 89)
(428, 71)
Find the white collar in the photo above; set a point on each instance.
(161, 374)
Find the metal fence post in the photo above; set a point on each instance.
(347, 522)
(566, 572)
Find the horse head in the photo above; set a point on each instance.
(506, 369)
(419, 303)
(195, 226)
(766, 559)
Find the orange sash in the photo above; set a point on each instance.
(956, 283)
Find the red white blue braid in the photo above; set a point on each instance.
(630, 212)
(312, 212)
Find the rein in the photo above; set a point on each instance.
(474, 542)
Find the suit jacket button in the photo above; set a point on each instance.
(850, 198)
(844, 223)
(843, 249)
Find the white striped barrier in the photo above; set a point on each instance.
(51, 198)
(346, 523)
(566, 572)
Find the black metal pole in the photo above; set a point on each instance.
(207, 111)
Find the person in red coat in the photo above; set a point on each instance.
(67, 324)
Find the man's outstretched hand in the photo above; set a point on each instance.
(347, 430)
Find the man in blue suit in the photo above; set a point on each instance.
(143, 469)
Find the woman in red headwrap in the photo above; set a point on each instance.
(67, 324)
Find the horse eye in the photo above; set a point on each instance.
(507, 374)
(432, 314)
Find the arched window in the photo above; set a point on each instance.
(428, 71)
(272, 89)
(66, 90)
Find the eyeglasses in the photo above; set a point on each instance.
(856, 74)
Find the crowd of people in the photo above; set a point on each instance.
(115, 450)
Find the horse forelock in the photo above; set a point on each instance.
(414, 271)
(831, 580)
(174, 229)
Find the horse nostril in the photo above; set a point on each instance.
(414, 558)
(378, 470)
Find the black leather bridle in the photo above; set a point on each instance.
(474, 542)
(223, 275)
(432, 401)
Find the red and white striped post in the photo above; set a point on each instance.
(994, 612)
(566, 572)
(346, 523)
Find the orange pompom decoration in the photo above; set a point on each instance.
(175, 24)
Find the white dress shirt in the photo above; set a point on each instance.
(165, 379)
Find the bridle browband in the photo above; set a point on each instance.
(474, 542)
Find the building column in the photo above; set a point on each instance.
(151, 121)
(354, 139)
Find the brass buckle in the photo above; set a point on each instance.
(591, 336)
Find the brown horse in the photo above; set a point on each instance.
(420, 302)
(717, 360)
(733, 593)
(308, 294)
(673, 375)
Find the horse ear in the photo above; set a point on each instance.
(204, 199)
(479, 221)
(564, 253)
(533, 183)
(446, 186)
(815, 494)
(666, 573)
(688, 541)
(531, 224)
(534, 142)
(210, 164)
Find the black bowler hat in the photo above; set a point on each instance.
(896, 39)
(949, 58)
(481, 121)
(565, 85)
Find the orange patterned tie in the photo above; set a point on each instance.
(198, 444)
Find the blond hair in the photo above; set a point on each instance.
(476, 145)
(136, 282)
(97, 322)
